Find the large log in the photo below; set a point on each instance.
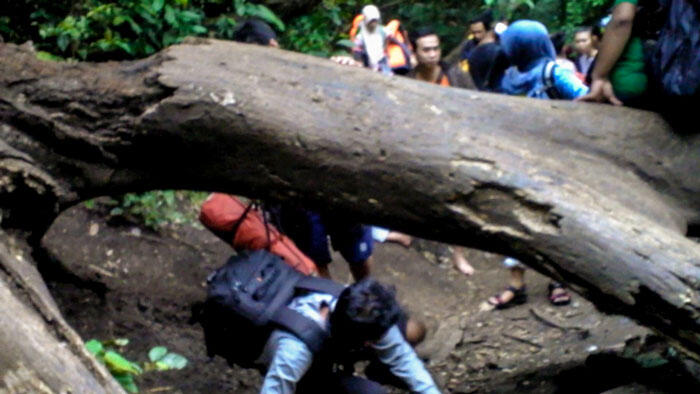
(40, 352)
(596, 195)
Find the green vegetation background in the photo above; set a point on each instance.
(126, 29)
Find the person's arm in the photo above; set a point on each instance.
(617, 34)
(393, 350)
(291, 359)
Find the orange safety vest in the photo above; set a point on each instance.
(397, 48)
(444, 81)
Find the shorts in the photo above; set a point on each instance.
(379, 234)
(510, 262)
(310, 231)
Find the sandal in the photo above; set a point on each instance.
(560, 298)
(519, 298)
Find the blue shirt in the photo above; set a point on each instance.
(288, 358)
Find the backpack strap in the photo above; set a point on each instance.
(320, 285)
(263, 213)
(282, 297)
(548, 80)
(240, 220)
(302, 327)
(404, 48)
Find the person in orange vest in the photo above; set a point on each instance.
(380, 48)
(430, 67)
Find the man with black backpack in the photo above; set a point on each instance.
(306, 332)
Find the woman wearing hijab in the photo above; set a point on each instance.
(370, 43)
(534, 72)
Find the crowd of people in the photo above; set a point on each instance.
(510, 57)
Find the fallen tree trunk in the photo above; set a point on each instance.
(40, 352)
(596, 195)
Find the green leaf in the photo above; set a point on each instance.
(157, 353)
(125, 46)
(157, 5)
(48, 57)
(170, 16)
(127, 382)
(264, 13)
(651, 360)
(345, 43)
(174, 361)
(63, 42)
(116, 363)
(240, 7)
(199, 29)
(94, 346)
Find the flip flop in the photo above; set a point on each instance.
(561, 298)
(519, 298)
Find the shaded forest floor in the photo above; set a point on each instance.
(116, 280)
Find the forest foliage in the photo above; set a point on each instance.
(100, 30)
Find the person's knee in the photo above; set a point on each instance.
(415, 331)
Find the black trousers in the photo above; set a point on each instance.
(336, 382)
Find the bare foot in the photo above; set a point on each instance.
(399, 238)
(504, 298)
(462, 265)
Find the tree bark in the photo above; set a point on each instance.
(40, 352)
(595, 195)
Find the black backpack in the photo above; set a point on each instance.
(675, 62)
(247, 298)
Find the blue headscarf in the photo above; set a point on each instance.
(527, 45)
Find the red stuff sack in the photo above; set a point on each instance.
(221, 213)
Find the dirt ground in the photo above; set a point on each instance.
(117, 280)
